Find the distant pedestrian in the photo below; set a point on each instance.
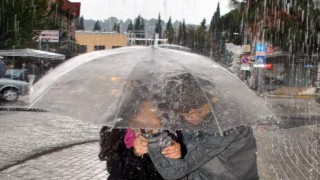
(2, 67)
(252, 82)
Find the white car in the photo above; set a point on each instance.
(11, 89)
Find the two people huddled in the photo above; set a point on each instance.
(165, 135)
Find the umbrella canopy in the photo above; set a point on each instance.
(32, 53)
(110, 87)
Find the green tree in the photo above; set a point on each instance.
(80, 23)
(130, 26)
(230, 25)
(215, 36)
(139, 23)
(158, 28)
(21, 22)
(116, 27)
(179, 36)
(184, 33)
(191, 37)
(97, 26)
(169, 33)
(201, 39)
(291, 28)
(139, 26)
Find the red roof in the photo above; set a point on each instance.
(73, 6)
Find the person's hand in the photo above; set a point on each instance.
(140, 146)
(173, 151)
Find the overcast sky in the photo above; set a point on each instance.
(193, 11)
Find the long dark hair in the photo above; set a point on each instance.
(112, 138)
(110, 141)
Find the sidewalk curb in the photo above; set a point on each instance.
(289, 96)
(47, 150)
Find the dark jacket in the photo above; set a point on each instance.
(210, 156)
(122, 164)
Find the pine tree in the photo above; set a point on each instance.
(116, 27)
(169, 32)
(97, 26)
(215, 36)
(158, 28)
(139, 26)
(130, 26)
(184, 34)
(137, 23)
(180, 34)
(80, 23)
(200, 38)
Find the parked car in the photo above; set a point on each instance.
(17, 74)
(272, 84)
(21, 74)
(11, 89)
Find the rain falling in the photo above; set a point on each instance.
(75, 73)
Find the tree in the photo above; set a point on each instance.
(201, 44)
(179, 36)
(139, 23)
(139, 26)
(287, 27)
(158, 28)
(130, 26)
(190, 37)
(169, 33)
(184, 33)
(116, 27)
(21, 22)
(80, 23)
(97, 26)
(215, 35)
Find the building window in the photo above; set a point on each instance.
(113, 47)
(83, 48)
(99, 47)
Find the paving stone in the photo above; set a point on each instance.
(86, 166)
(24, 134)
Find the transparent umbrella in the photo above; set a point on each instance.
(108, 88)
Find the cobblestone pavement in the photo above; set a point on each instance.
(283, 153)
(291, 154)
(75, 163)
(294, 107)
(24, 135)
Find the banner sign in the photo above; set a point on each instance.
(49, 36)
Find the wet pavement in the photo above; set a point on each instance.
(44, 146)
(77, 162)
(25, 135)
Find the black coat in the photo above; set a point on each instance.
(122, 163)
(130, 166)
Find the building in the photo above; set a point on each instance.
(96, 40)
(66, 14)
(139, 37)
